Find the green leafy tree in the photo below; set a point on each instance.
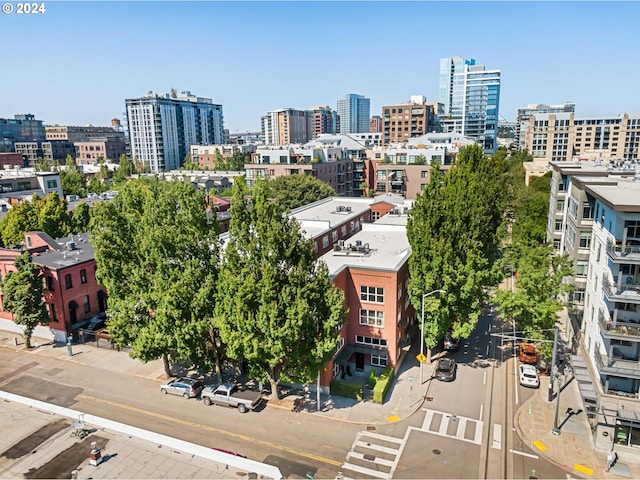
(277, 307)
(72, 179)
(454, 232)
(80, 217)
(53, 216)
(157, 255)
(189, 164)
(219, 163)
(97, 185)
(22, 296)
(21, 218)
(293, 191)
(42, 165)
(237, 161)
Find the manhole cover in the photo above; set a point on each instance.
(371, 427)
(429, 399)
(436, 451)
(369, 457)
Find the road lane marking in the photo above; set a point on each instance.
(583, 469)
(487, 354)
(539, 445)
(481, 406)
(518, 452)
(393, 418)
(497, 436)
(211, 429)
(484, 378)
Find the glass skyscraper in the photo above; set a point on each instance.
(353, 111)
(471, 98)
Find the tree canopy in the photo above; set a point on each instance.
(22, 295)
(157, 255)
(72, 179)
(454, 229)
(292, 191)
(277, 307)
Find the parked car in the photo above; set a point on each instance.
(451, 343)
(187, 387)
(446, 369)
(528, 375)
(528, 353)
(229, 395)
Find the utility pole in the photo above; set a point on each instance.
(553, 364)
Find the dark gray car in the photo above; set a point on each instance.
(446, 369)
(187, 387)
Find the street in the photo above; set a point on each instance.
(464, 428)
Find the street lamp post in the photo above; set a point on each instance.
(556, 428)
(424, 295)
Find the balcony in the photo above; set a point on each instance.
(621, 330)
(616, 365)
(622, 292)
(624, 253)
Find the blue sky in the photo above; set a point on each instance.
(77, 62)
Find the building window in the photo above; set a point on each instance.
(374, 318)
(558, 226)
(52, 184)
(67, 281)
(581, 268)
(372, 294)
(52, 312)
(87, 306)
(379, 360)
(325, 241)
(598, 254)
(378, 342)
(83, 276)
(334, 236)
(344, 230)
(375, 216)
(50, 283)
(585, 240)
(578, 297)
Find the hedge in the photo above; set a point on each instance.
(383, 384)
(342, 388)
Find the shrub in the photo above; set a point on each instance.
(383, 384)
(373, 378)
(343, 388)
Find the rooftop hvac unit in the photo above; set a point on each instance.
(336, 247)
(341, 243)
(358, 243)
(348, 209)
(71, 245)
(339, 208)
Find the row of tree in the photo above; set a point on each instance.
(173, 295)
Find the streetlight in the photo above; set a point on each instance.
(424, 295)
(556, 428)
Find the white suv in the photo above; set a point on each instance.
(528, 376)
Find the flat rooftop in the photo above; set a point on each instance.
(621, 193)
(388, 249)
(321, 216)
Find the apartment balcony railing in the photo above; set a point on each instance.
(618, 329)
(622, 292)
(625, 253)
(616, 365)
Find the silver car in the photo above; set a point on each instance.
(187, 387)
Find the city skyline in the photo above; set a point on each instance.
(81, 60)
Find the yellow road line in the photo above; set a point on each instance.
(393, 418)
(583, 469)
(211, 429)
(539, 445)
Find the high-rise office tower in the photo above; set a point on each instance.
(471, 97)
(163, 127)
(353, 113)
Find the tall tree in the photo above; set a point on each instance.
(277, 307)
(42, 165)
(219, 163)
(53, 216)
(293, 191)
(236, 163)
(72, 179)
(157, 255)
(22, 296)
(20, 218)
(80, 217)
(454, 230)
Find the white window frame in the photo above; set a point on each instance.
(372, 318)
(380, 360)
(372, 294)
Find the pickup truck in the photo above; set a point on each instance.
(228, 394)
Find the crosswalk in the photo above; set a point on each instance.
(372, 455)
(452, 426)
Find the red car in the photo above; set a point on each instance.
(528, 353)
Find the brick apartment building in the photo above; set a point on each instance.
(72, 295)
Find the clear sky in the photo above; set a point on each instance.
(76, 63)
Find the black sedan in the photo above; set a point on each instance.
(446, 370)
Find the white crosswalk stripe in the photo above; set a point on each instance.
(372, 455)
(452, 426)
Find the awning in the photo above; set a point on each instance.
(73, 305)
(345, 355)
(102, 294)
